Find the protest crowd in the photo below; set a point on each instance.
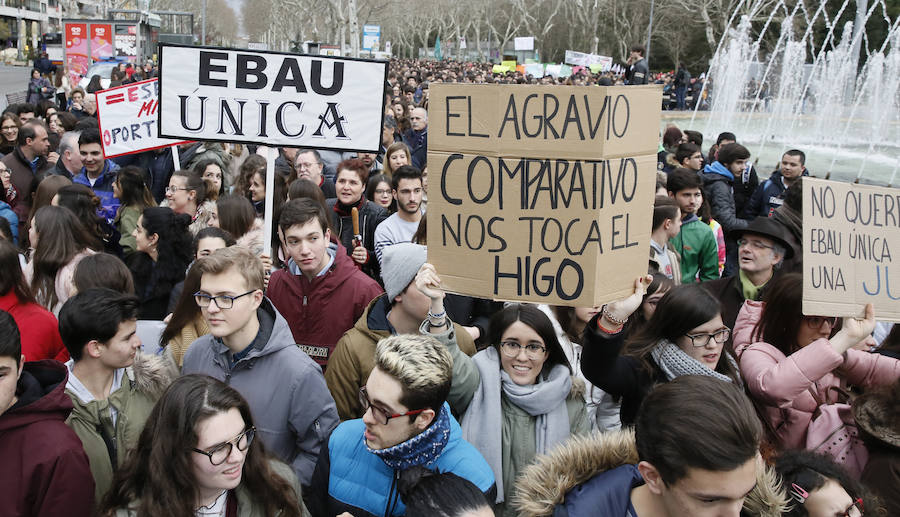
(333, 375)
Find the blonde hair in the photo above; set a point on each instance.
(241, 259)
(421, 364)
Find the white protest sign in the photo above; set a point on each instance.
(526, 43)
(271, 98)
(127, 117)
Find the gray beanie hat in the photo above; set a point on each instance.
(399, 265)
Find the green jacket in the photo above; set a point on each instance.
(517, 435)
(247, 505)
(106, 445)
(126, 222)
(696, 244)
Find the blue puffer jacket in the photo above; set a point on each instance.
(348, 478)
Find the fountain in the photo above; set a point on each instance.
(835, 98)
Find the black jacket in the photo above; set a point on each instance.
(370, 216)
(638, 73)
(623, 377)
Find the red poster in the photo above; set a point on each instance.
(101, 41)
(76, 51)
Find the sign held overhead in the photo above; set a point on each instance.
(127, 116)
(542, 194)
(271, 98)
(851, 234)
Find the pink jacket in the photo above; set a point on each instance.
(780, 384)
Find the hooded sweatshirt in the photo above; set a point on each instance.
(292, 409)
(320, 310)
(44, 470)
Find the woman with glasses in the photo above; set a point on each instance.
(186, 194)
(684, 336)
(378, 191)
(518, 397)
(818, 487)
(9, 132)
(163, 245)
(198, 456)
(790, 360)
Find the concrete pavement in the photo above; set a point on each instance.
(12, 79)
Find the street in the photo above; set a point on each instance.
(12, 79)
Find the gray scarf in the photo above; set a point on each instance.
(674, 362)
(545, 400)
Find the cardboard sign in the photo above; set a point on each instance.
(541, 193)
(851, 249)
(271, 98)
(127, 116)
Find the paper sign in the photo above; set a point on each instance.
(271, 98)
(511, 64)
(76, 51)
(851, 236)
(536, 197)
(127, 116)
(526, 43)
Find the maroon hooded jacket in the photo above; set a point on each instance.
(44, 469)
(321, 310)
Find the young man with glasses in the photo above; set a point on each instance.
(250, 347)
(406, 423)
(112, 386)
(761, 249)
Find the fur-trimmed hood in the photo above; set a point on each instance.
(544, 484)
(152, 374)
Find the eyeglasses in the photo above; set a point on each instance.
(532, 350)
(382, 191)
(9, 129)
(222, 301)
(381, 416)
(5, 170)
(755, 244)
(815, 322)
(173, 188)
(720, 336)
(299, 166)
(219, 453)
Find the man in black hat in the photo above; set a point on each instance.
(761, 248)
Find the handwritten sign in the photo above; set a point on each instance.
(271, 98)
(542, 194)
(127, 116)
(851, 237)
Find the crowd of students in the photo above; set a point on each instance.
(335, 376)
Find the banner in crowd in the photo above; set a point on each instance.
(127, 116)
(541, 193)
(582, 59)
(271, 98)
(850, 235)
(523, 43)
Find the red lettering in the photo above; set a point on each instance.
(132, 94)
(148, 107)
